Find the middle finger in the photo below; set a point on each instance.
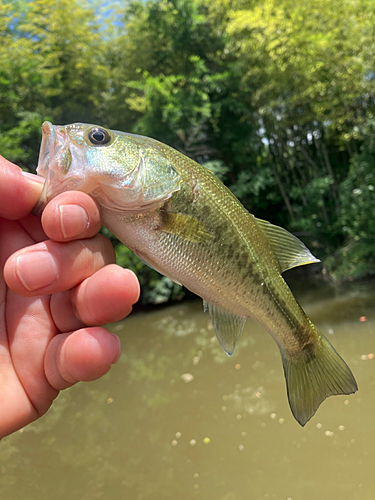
(51, 267)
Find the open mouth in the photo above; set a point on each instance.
(46, 152)
(54, 162)
(46, 148)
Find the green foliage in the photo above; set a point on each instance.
(276, 97)
(357, 193)
(52, 66)
(308, 58)
(217, 167)
(312, 73)
(25, 131)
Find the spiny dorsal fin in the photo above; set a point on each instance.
(228, 326)
(289, 250)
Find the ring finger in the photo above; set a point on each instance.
(105, 297)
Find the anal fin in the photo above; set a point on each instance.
(228, 326)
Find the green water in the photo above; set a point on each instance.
(178, 419)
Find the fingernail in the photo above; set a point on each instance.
(34, 178)
(74, 220)
(117, 342)
(36, 270)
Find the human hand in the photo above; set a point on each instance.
(59, 283)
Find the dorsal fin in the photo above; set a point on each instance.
(289, 250)
(228, 326)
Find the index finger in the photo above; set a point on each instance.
(19, 191)
(71, 215)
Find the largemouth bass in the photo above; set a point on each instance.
(182, 221)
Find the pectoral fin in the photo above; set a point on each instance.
(289, 250)
(185, 227)
(228, 326)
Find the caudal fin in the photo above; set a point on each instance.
(310, 382)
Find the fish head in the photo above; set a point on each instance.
(121, 171)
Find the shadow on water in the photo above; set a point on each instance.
(177, 419)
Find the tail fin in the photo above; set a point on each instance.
(310, 382)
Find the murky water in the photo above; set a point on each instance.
(177, 419)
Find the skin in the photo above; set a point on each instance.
(58, 286)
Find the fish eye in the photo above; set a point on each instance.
(99, 136)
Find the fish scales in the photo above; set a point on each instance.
(244, 267)
(182, 221)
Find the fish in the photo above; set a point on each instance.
(181, 220)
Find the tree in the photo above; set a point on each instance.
(56, 70)
(312, 66)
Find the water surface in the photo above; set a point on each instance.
(178, 419)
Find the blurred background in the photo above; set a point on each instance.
(276, 97)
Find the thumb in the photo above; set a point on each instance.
(19, 191)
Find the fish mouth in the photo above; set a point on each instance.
(47, 146)
(53, 141)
